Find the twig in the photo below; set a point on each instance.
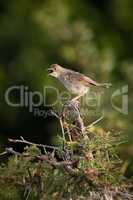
(54, 114)
(3, 153)
(27, 193)
(95, 122)
(62, 129)
(61, 124)
(54, 162)
(66, 165)
(69, 134)
(10, 151)
(31, 143)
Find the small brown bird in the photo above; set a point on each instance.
(75, 82)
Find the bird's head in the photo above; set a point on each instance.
(55, 70)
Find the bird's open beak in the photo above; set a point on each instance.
(50, 70)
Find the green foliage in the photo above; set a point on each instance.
(97, 165)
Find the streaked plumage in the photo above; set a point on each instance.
(75, 82)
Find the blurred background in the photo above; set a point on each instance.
(91, 36)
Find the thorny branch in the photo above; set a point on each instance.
(22, 140)
(65, 165)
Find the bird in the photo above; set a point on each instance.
(76, 83)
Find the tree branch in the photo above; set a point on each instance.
(22, 140)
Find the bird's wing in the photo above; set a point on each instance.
(89, 81)
(82, 78)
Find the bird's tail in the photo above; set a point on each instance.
(105, 85)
